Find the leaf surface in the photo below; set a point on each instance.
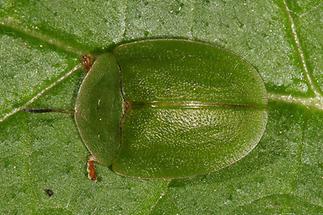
(41, 43)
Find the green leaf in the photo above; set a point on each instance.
(41, 42)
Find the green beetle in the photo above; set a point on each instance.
(170, 108)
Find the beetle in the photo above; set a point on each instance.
(170, 108)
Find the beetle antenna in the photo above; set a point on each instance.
(47, 110)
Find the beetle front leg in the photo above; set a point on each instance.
(87, 61)
(91, 173)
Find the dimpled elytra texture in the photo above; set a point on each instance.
(170, 108)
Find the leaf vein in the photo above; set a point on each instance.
(300, 52)
(41, 92)
(124, 20)
(311, 102)
(13, 25)
(311, 9)
(162, 194)
(281, 195)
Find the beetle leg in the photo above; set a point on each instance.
(87, 61)
(91, 174)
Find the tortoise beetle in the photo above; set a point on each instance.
(170, 108)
